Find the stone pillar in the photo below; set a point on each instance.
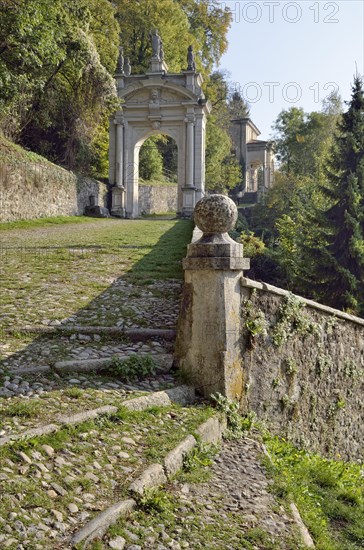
(119, 154)
(189, 152)
(118, 191)
(112, 151)
(199, 153)
(209, 328)
(253, 177)
(189, 189)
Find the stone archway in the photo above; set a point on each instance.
(158, 103)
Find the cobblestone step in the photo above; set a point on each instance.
(183, 395)
(61, 487)
(163, 361)
(232, 510)
(134, 335)
(42, 353)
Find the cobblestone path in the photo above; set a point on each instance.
(232, 510)
(51, 487)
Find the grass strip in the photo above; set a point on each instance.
(328, 493)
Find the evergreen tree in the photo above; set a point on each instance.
(238, 107)
(340, 263)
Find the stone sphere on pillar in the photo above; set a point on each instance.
(215, 214)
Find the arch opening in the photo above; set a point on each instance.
(156, 157)
(158, 160)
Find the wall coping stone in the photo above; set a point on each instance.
(249, 283)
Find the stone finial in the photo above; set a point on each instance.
(215, 214)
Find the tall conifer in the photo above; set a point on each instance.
(340, 264)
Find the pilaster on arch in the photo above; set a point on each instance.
(158, 103)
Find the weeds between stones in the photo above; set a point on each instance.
(134, 367)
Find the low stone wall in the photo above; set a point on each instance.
(303, 369)
(29, 191)
(156, 199)
(297, 364)
(87, 187)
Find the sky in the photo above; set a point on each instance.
(283, 54)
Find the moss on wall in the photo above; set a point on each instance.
(305, 373)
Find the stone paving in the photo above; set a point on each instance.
(225, 513)
(54, 485)
(50, 491)
(43, 351)
(57, 395)
(122, 305)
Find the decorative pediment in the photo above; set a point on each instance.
(169, 96)
(154, 90)
(139, 96)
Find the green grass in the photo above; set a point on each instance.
(43, 222)
(74, 393)
(12, 152)
(22, 408)
(257, 538)
(156, 448)
(159, 215)
(75, 266)
(196, 465)
(169, 423)
(50, 405)
(328, 493)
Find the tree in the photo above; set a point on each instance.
(209, 21)
(150, 160)
(32, 49)
(200, 23)
(303, 140)
(158, 159)
(340, 263)
(289, 221)
(286, 223)
(222, 168)
(238, 107)
(55, 63)
(289, 130)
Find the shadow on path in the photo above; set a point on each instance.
(145, 295)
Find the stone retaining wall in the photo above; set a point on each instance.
(35, 190)
(304, 370)
(157, 199)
